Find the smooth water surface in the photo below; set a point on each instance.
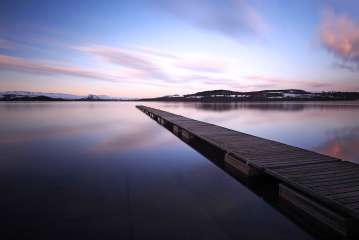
(106, 170)
(331, 128)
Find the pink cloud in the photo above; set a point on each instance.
(265, 79)
(144, 61)
(128, 59)
(339, 34)
(280, 83)
(24, 65)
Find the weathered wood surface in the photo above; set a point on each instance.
(327, 180)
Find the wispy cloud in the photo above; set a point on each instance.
(197, 64)
(30, 66)
(202, 65)
(232, 18)
(134, 66)
(339, 34)
(154, 52)
(261, 81)
(128, 59)
(265, 79)
(156, 65)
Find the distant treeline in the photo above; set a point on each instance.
(266, 95)
(210, 96)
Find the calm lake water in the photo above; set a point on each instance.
(106, 170)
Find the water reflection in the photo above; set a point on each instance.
(326, 127)
(129, 142)
(342, 144)
(56, 131)
(272, 106)
(105, 170)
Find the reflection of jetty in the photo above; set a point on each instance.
(317, 187)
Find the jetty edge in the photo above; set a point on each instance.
(323, 188)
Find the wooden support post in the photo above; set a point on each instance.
(186, 135)
(176, 129)
(163, 122)
(237, 166)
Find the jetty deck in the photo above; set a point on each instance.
(320, 186)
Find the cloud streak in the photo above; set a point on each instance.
(204, 65)
(128, 59)
(279, 83)
(153, 64)
(339, 34)
(23, 65)
(155, 52)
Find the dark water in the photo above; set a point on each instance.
(106, 170)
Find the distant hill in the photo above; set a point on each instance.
(265, 95)
(205, 96)
(24, 95)
(40, 96)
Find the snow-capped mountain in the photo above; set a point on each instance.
(98, 97)
(25, 95)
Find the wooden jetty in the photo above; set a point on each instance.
(321, 187)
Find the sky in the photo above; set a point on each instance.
(153, 48)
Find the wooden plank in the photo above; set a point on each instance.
(284, 170)
(353, 205)
(318, 172)
(281, 158)
(270, 163)
(324, 175)
(299, 163)
(343, 186)
(328, 191)
(348, 200)
(313, 168)
(351, 195)
(324, 215)
(331, 178)
(333, 183)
